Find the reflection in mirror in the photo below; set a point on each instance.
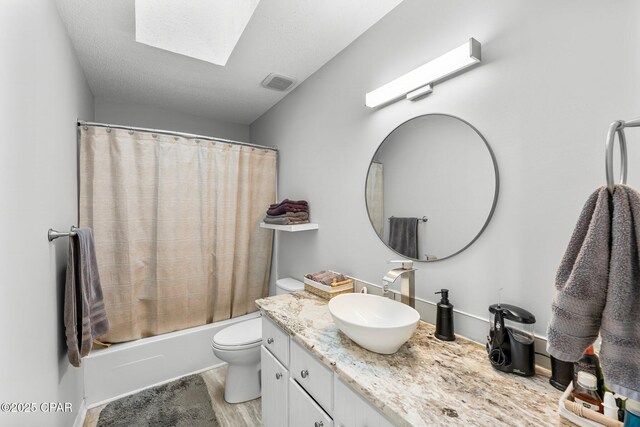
(432, 187)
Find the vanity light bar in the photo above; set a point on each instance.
(414, 83)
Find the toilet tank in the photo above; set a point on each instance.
(288, 285)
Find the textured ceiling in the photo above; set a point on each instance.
(291, 37)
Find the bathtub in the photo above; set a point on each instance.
(128, 367)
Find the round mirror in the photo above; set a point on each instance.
(431, 187)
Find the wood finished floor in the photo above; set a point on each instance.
(230, 415)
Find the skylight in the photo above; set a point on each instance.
(203, 29)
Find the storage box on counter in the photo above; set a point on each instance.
(596, 419)
(327, 292)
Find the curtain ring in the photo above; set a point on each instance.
(615, 128)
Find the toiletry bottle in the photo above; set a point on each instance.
(610, 406)
(585, 392)
(444, 318)
(632, 413)
(589, 362)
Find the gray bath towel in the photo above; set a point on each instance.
(84, 315)
(293, 215)
(403, 236)
(598, 289)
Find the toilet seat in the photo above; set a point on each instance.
(242, 335)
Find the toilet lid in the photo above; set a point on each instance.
(240, 334)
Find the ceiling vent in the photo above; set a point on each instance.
(278, 82)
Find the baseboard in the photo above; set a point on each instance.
(467, 325)
(129, 393)
(81, 415)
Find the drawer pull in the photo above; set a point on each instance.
(269, 340)
(305, 374)
(278, 375)
(319, 424)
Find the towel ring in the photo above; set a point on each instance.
(616, 128)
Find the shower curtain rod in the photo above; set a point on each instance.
(172, 133)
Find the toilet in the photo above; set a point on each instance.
(239, 346)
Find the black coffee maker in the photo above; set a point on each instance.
(510, 343)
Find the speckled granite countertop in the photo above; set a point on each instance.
(427, 382)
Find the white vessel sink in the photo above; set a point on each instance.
(378, 324)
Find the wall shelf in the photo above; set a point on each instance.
(295, 227)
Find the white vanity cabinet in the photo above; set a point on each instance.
(300, 391)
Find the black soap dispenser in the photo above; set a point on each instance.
(444, 318)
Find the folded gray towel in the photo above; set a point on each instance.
(293, 215)
(598, 289)
(85, 317)
(326, 277)
(285, 221)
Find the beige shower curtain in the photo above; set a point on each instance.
(176, 224)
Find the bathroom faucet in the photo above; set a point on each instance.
(407, 276)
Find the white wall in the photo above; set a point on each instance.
(43, 91)
(554, 75)
(147, 116)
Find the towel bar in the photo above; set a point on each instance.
(53, 234)
(617, 127)
(423, 219)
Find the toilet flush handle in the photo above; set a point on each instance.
(269, 340)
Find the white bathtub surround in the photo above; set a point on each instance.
(125, 368)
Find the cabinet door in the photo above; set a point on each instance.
(312, 375)
(275, 399)
(304, 411)
(352, 410)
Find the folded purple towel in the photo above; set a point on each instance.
(287, 208)
(289, 202)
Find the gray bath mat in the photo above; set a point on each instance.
(181, 403)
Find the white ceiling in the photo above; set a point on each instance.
(291, 37)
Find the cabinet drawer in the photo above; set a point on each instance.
(303, 411)
(275, 386)
(312, 375)
(276, 340)
(352, 410)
